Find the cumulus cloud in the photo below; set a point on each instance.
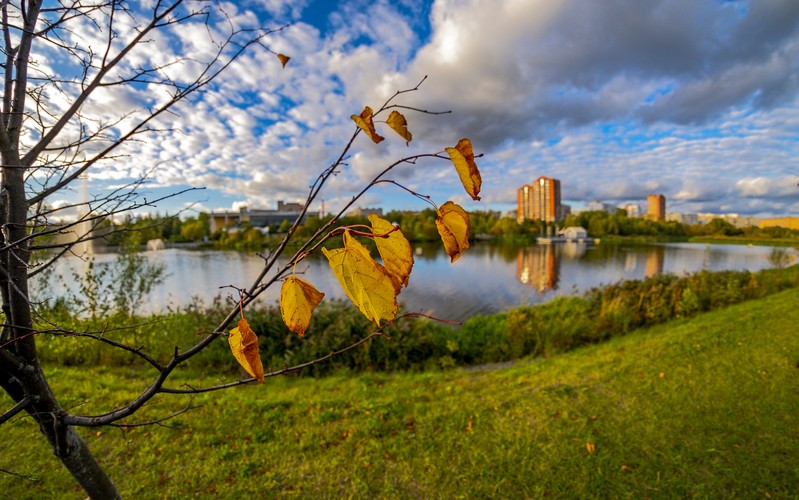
(516, 70)
(696, 99)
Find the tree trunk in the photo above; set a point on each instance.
(67, 445)
(21, 371)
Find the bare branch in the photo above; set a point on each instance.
(158, 421)
(284, 371)
(21, 405)
(22, 476)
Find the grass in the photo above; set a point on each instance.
(705, 407)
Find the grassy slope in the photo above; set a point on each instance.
(702, 407)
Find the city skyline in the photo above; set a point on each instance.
(695, 99)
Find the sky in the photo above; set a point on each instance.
(694, 99)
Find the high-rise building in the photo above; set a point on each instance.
(539, 201)
(656, 207)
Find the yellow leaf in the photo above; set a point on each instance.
(400, 126)
(284, 59)
(462, 157)
(366, 283)
(298, 299)
(244, 344)
(590, 447)
(364, 121)
(453, 226)
(395, 251)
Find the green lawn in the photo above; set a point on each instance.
(707, 407)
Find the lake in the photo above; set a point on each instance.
(488, 278)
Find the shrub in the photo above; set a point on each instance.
(411, 344)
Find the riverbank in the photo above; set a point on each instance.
(544, 330)
(694, 407)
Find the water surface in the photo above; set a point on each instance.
(487, 278)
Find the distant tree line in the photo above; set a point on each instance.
(602, 224)
(421, 227)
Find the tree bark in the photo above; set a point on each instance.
(21, 373)
(66, 443)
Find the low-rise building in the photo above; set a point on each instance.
(574, 233)
(600, 206)
(365, 212)
(786, 222)
(257, 217)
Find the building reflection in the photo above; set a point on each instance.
(537, 266)
(573, 249)
(654, 261)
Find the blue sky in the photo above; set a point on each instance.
(695, 99)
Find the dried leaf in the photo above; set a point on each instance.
(298, 299)
(453, 226)
(365, 122)
(462, 157)
(244, 344)
(367, 284)
(284, 59)
(395, 251)
(397, 122)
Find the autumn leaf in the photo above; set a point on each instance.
(364, 121)
(244, 344)
(367, 284)
(284, 59)
(395, 251)
(590, 447)
(298, 299)
(453, 226)
(462, 157)
(397, 122)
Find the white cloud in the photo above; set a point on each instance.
(697, 100)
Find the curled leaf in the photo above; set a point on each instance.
(395, 251)
(397, 122)
(367, 284)
(284, 59)
(244, 345)
(298, 299)
(453, 226)
(462, 157)
(366, 123)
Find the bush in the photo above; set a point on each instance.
(416, 344)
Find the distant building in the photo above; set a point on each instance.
(786, 222)
(257, 218)
(734, 219)
(574, 233)
(599, 206)
(540, 201)
(656, 207)
(365, 212)
(690, 219)
(633, 209)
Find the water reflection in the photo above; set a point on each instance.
(485, 279)
(537, 267)
(654, 261)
